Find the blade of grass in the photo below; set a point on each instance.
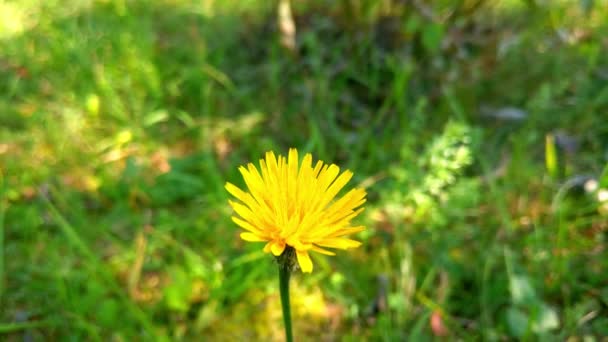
(14, 327)
(94, 263)
(2, 209)
(496, 193)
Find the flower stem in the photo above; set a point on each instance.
(284, 273)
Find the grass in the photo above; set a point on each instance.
(477, 130)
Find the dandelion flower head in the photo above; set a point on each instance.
(293, 204)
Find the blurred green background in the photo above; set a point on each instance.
(479, 128)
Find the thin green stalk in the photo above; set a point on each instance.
(284, 273)
(7, 328)
(2, 209)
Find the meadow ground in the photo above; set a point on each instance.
(478, 128)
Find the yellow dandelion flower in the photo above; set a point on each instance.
(291, 204)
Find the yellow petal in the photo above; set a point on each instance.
(267, 247)
(277, 247)
(242, 210)
(292, 161)
(251, 237)
(346, 231)
(338, 184)
(291, 226)
(340, 243)
(335, 221)
(235, 191)
(255, 182)
(304, 261)
(253, 177)
(317, 169)
(271, 162)
(351, 200)
(292, 176)
(328, 226)
(242, 196)
(306, 165)
(245, 225)
(327, 175)
(322, 251)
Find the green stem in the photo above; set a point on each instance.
(284, 273)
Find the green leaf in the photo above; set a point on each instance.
(547, 320)
(432, 35)
(155, 117)
(522, 292)
(178, 292)
(412, 25)
(417, 331)
(604, 177)
(551, 155)
(517, 321)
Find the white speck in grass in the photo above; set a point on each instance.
(591, 185)
(602, 195)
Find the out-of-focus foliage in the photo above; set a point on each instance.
(477, 127)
